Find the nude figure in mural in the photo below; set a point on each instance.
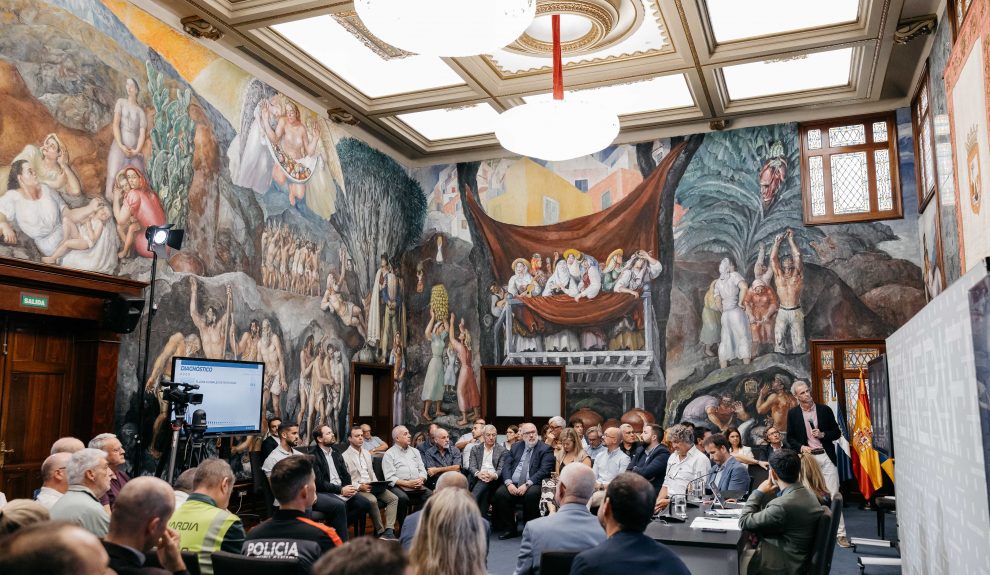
(247, 348)
(81, 235)
(777, 402)
(336, 386)
(761, 310)
(306, 399)
(297, 142)
(178, 345)
(270, 352)
(213, 329)
(130, 125)
(789, 276)
(349, 313)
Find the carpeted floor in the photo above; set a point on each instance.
(859, 523)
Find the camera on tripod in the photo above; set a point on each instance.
(180, 394)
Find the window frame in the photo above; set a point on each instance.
(924, 195)
(826, 151)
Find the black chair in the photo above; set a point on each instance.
(556, 562)
(376, 464)
(833, 529)
(225, 563)
(818, 562)
(884, 504)
(191, 559)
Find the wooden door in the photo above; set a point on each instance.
(836, 365)
(373, 399)
(37, 392)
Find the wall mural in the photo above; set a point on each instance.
(678, 272)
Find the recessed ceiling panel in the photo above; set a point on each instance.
(787, 75)
(452, 122)
(660, 93)
(373, 72)
(741, 19)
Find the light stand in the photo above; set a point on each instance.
(159, 237)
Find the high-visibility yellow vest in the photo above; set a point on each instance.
(202, 528)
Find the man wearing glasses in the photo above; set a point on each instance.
(528, 463)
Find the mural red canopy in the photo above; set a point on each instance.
(630, 224)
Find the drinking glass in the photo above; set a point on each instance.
(679, 506)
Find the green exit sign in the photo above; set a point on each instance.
(34, 300)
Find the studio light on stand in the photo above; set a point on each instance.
(559, 129)
(159, 239)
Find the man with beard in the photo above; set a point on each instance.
(270, 352)
(761, 310)
(212, 330)
(789, 276)
(778, 402)
(306, 399)
(247, 348)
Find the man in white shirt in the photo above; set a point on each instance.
(372, 443)
(608, 465)
(404, 470)
(362, 471)
(288, 437)
(685, 465)
(469, 440)
(56, 482)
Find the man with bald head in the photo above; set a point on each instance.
(527, 464)
(68, 445)
(139, 525)
(608, 465)
(403, 468)
(571, 528)
(56, 480)
(52, 548)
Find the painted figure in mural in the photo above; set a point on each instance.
(43, 215)
(295, 146)
(449, 370)
(436, 332)
(613, 268)
(522, 284)
(591, 277)
(136, 208)
(761, 310)
(777, 402)
(247, 348)
(627, 335)
(51, 163)
(562, 281)
(788, 274)
(130, 126)
(637, 273)
(270, 352)
(468, 397)
(730, 291)
(336, 390)
(711, 323)
(85, 234)
(760, 269)
(392, 316)
(439, 256)
(727, 413)
(349, 313)
(536, 270)
(772, 174)
(213, 328)
(178, 345)
(321, 382)
(933, 275)
(307, 400)
(397, 359)
(373, 303)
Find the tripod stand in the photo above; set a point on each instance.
(195, 447)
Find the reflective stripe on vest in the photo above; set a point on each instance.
(202, 528)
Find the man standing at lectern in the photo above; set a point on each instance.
(812, 429)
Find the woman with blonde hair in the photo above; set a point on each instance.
(813, 480)
(570, 450)
(451, 538)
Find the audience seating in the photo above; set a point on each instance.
(234, 564)
(883, 505)
(191, 559)
(556, 562)
(824, 564)
(817, 561)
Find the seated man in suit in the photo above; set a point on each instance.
(786, 525)
(571, 528)
(139, 524)
(271, 440)
(651, 461)
(334, 489)
(529, 462)
(625, 513)
(727, 473)
(485, 467)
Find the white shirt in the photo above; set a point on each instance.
(486, 459)
(358, 462)
(405, 464)
(48, 496)
(680, 472)
(278, 454)
(609, 464)
(334, 477)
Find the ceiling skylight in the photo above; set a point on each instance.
(453, 122)
(660, 93)
(740, 19)
(341, 52)
(783, 76)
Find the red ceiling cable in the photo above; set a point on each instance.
(558, 69)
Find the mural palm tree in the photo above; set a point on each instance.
(727, 210)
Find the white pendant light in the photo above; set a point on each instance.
(452, 28)
(559, 129)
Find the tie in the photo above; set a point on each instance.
(521, 474)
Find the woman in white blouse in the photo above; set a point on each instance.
(741, 452)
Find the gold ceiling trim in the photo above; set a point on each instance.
(349, 21)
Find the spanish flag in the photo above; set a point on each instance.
(866, 463)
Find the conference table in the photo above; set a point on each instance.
(704, 552)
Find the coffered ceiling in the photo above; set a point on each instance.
(665, 66)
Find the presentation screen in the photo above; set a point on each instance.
(232, 392)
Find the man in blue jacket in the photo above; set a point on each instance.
(727, 473)
(625, 513)
(528, 463)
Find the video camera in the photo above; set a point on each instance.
(180, 394)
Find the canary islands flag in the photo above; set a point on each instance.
(867, 461)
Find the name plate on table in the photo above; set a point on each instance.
(726, 524)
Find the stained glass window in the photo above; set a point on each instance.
(879, 131)
(847, 135)
(814, 139)
(828, 359)
(924, 139)
(852, 401)
(855, 358)
(885, 199)
(817, 176)
(850, 183)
